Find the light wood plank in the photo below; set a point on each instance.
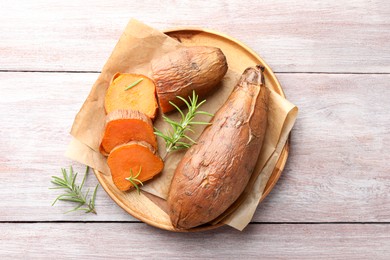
(38, 111)
(292, 36)
(138, 241)
(338, 169)
(339, 163)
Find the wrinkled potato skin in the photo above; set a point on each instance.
(214, 172)
(178, 73)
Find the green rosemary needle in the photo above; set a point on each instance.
(74, 192)
(135, 83)
(177, 138)
(133, 179)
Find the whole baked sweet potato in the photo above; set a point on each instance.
(214, 172)
(178, 73)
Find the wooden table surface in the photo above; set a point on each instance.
(333, 61)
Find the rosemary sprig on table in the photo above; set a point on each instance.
(133, 179)
(74, 192)
(135, 83)
(177, 138)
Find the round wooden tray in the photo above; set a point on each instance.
(151, 209)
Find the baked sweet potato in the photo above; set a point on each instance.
(131, 91)
(129, 159)
(178, 73)
(123, 126)
(214, 172)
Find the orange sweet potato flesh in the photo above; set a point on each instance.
(178, 73)
(141, 97)
(123, 126)
(215, 171)
(135, 156)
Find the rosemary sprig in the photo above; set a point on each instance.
(135, 83)
(134, 180)
(177, 138)
(74, 192)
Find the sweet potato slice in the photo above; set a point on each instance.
(123, 126)
(123, 93)
(178, 73)
(133, 157)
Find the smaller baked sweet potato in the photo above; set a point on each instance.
(178, 73)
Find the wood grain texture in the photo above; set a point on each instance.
(292, 36)
(138, 241)
(339, 163)
(337, 170)
(38, 110)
